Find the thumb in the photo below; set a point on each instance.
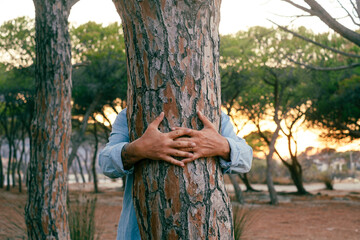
(204, 120)
(158, 120)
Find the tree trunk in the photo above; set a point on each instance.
(21, 160)
(80, 169)
(93, 162)
(78, 138)
(173, 66)
(46, 211)
(237, 188)
(296, 175)
(1, 170)
(273, 196)
(75, 174)
(9, 168)
(13, 165)
(244, 178)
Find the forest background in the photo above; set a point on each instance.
(276, 87)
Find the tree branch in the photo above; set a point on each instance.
(321, 13)
(315, 43)
(70, 4)
(300, 7)
(357, 7)
(351, 17)
(325, 68)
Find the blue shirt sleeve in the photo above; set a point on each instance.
(110, 157)
(240, 152)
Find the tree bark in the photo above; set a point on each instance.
(46, 211)
(173, 66)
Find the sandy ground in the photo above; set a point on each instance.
(323, 215)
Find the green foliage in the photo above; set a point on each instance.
(101, 52)
(336, 105)
(17, 42)
(256, 142)
(82, 218)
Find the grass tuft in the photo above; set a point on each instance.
(243, 219)
(82, 218)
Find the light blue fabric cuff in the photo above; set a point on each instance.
(111, 162)
(236, 163)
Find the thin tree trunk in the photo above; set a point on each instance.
(1, 169)
(296, 175)
(86, 165)
(46, 210)
(93, 162)
(80, 169)
(273, 196)
(244, 178)
(237, 189)
(173, 66)
(9, 168)
(21, 160)
(78, 138)
(14, 165)
(75, 174)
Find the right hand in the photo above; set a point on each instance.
(156, 145)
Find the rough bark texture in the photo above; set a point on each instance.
(46, 212)
(173, 60)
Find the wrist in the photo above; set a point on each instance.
(224, 149)
(129, 155)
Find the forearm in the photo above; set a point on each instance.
(130, 155)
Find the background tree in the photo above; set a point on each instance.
(173, 53)
(46, 211)
(344, 55)
(101, 76)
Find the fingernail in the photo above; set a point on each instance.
(173, 129)
(192, 144)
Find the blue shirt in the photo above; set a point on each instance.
(111, 164)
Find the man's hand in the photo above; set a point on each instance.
(156, 145)
(208, 142)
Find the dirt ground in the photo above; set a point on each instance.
(323, 215)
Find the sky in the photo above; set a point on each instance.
(235, 15)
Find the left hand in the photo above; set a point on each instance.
(208, 142)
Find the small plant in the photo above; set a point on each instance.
(242, 219)
(82, 218)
